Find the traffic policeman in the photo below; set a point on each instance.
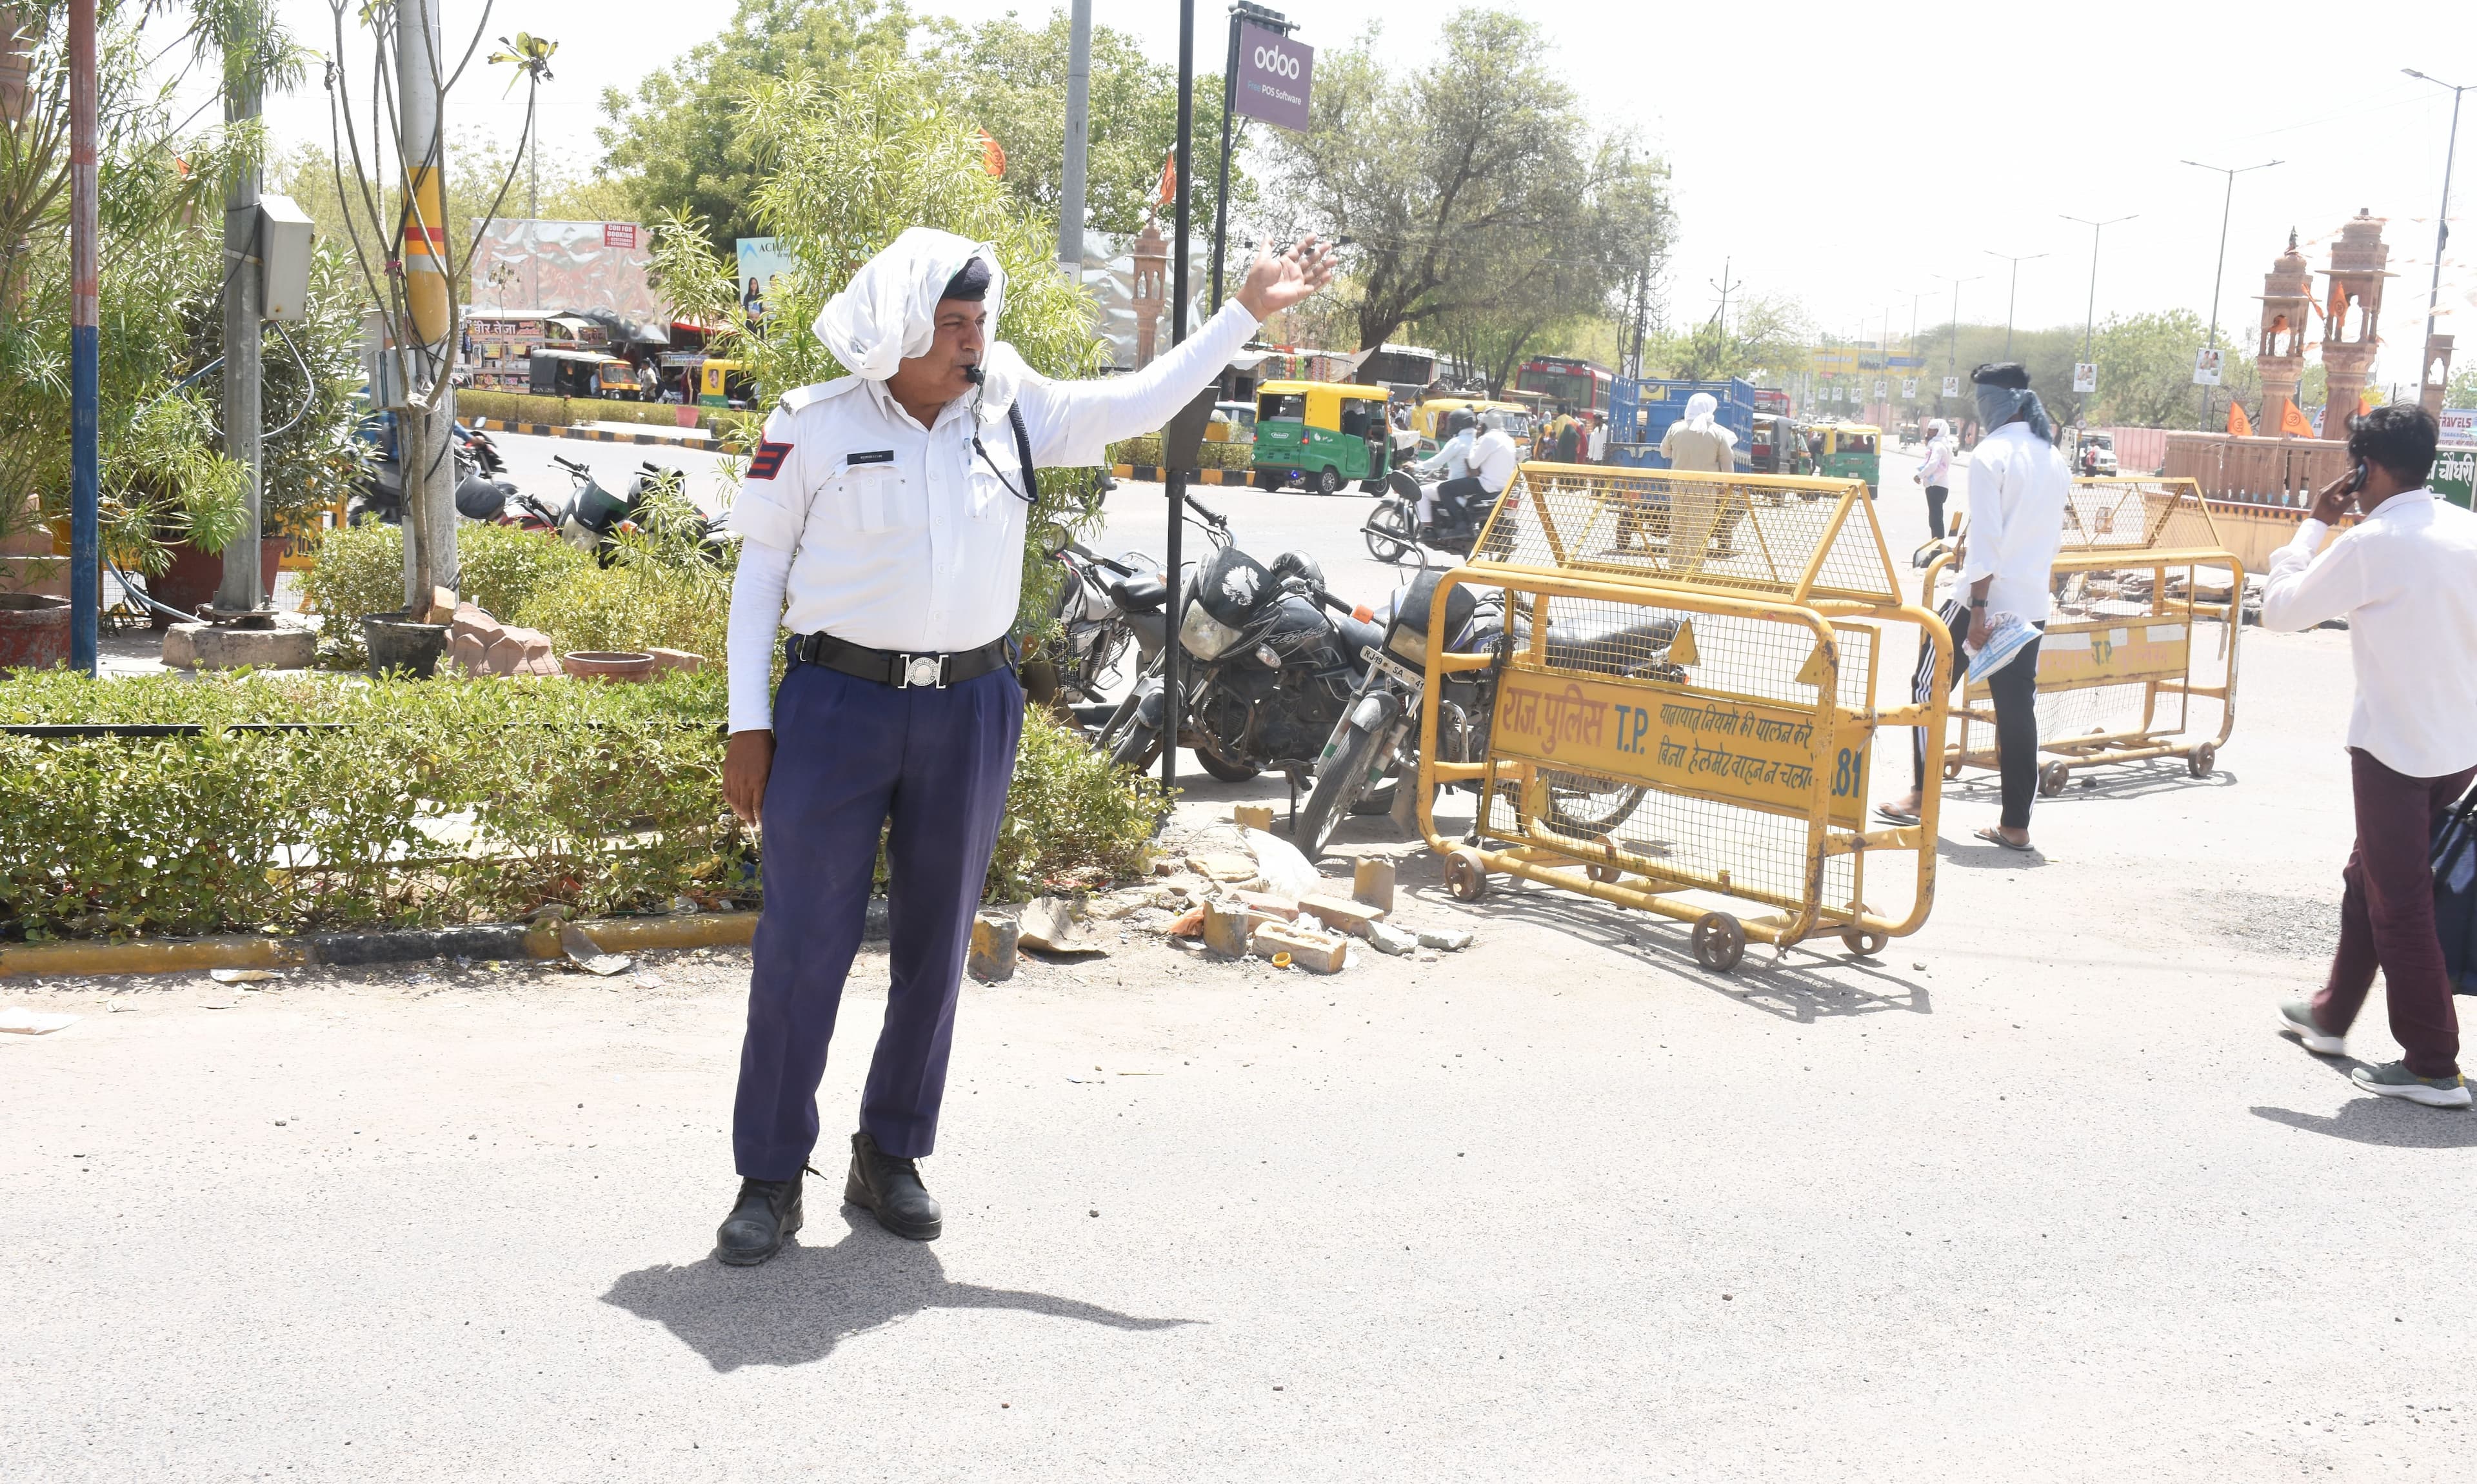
(882, 520)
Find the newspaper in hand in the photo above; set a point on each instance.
(2006, 636)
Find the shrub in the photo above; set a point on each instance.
(436, 801)
(361, 570)
(626, 607)
(1148, 450)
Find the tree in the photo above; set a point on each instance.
(2463, 393)
(1451, 183)
(679, 140)
(1010, 80)
(843, 169)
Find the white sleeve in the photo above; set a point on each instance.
(756, 618)
(1073, 423)
(772, 506)
(2304, 589)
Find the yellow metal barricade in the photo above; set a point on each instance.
(1686, 703)
(2143, 587)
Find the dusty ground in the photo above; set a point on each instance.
(2039, 1191)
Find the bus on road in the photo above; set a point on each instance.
(1577, 385)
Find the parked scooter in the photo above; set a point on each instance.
(478, 486)
(1377, 735)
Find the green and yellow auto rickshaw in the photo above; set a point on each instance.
(1849, 451)
(1320, 434)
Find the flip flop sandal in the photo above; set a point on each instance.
(1892, 816)
(1995, 836)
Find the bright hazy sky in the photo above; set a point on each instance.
(1800, 136)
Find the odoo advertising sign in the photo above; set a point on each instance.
(1274, 72)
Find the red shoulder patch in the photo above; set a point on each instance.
(768, 461)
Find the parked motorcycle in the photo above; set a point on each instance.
(1274, 658)
(1377, 735)
(478, 486)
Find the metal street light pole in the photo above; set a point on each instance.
(1174, 477)
(1952, 336)
(2012, 293)
(86, 362)
(1078, 119)
(2441, 218)
(2219, 270)
(2089, 311)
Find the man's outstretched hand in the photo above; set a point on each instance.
(1275, 283)
(745, 764)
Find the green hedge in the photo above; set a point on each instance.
(516, 407)
(1146, 450)
(435, 803)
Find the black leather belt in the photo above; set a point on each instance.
(898, 669)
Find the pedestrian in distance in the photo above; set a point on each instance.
(1935, 472)
(882, 522)
(2018, 487)
(1598, 450)
(2404, 577)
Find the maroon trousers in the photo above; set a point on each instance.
(2387, 917)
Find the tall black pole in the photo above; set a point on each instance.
(1221, 192)
(1174, 477)
(86, 534)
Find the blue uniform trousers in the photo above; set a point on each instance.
(852, 757)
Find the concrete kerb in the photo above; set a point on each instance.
(499, 940)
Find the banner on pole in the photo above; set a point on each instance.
(1909, 388)
(1952, 386)
(2085, 376)
(2206, 365)
(1274, 72)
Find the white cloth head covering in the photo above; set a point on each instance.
(1699, 408)
(1936, 428)
(888, 313)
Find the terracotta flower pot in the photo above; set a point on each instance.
(615, 665)
(194, 575)
(33, 631)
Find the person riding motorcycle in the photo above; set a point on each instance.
(1487, 455)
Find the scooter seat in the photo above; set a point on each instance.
(1140, 594)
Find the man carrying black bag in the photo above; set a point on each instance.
(2406, 580)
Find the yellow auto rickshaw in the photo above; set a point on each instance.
(720, 382)
(1321, 434)
(1427, 419)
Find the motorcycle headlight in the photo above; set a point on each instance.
(1204, 635)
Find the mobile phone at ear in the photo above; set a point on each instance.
(2358, 476)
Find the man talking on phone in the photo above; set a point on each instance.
(2404, 577)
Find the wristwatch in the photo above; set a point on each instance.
(1978, 603)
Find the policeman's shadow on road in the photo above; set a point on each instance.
(1810, 983)
(796, 1308)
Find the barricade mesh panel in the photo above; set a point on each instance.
(1754, 534)
(1712, 658)
(2166, 516)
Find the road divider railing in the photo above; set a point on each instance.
(1686, 704)
(2145, 594)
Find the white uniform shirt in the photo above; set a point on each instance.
(1454, 458)
(885, 534)
(2019, 485)
(2406, 580)
(1493, 459)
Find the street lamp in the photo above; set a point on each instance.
(2090, 312)
(2219, 271)
(2441, 218)
(2014, 292)
(1952, 337)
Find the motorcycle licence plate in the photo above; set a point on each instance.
(1400, 671)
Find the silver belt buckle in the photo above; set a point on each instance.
(923, 670)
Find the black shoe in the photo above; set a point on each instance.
(890, 1187)
(767, 1212)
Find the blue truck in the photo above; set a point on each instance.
(1640, 412)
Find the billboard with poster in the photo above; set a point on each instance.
(2206, 362)
(2085, 376)
(760, 262)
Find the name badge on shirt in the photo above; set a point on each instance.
(879, 456)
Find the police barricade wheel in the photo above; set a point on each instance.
(1466, 875)
(2199, 760)
(1605, 872)
(2053, 778)
(1952, 770)
(1863, 944)
(1719, 942)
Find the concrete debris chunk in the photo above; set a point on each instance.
(1252, 816)
(1055, 925)
(992, 958)
(1452, 942)
(1317, 953)
(1341, 915)
(1267, 904)
(1225, 926)
(242, 975)
(1372, 881)
(1388, 939)
(1223, 867)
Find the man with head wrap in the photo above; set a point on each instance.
(1696, 442)
(2018, 486)
(1935, 472)
(882, 520)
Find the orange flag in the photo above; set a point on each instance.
(992, 155)
(1167, 194)
(2294, 424)
(2239, 425)
(2366, 402)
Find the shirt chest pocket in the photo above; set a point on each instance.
(871, 497)
(992, 496)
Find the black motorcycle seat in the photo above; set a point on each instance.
(1614, 651)
(1357, 639)
(1140, 594)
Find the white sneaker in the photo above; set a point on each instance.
(2393, 1079)
(2296, 1018)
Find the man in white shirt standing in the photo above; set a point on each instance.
(2018, 488)
(888, 507)
(1935, 472)
(2405, 577)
